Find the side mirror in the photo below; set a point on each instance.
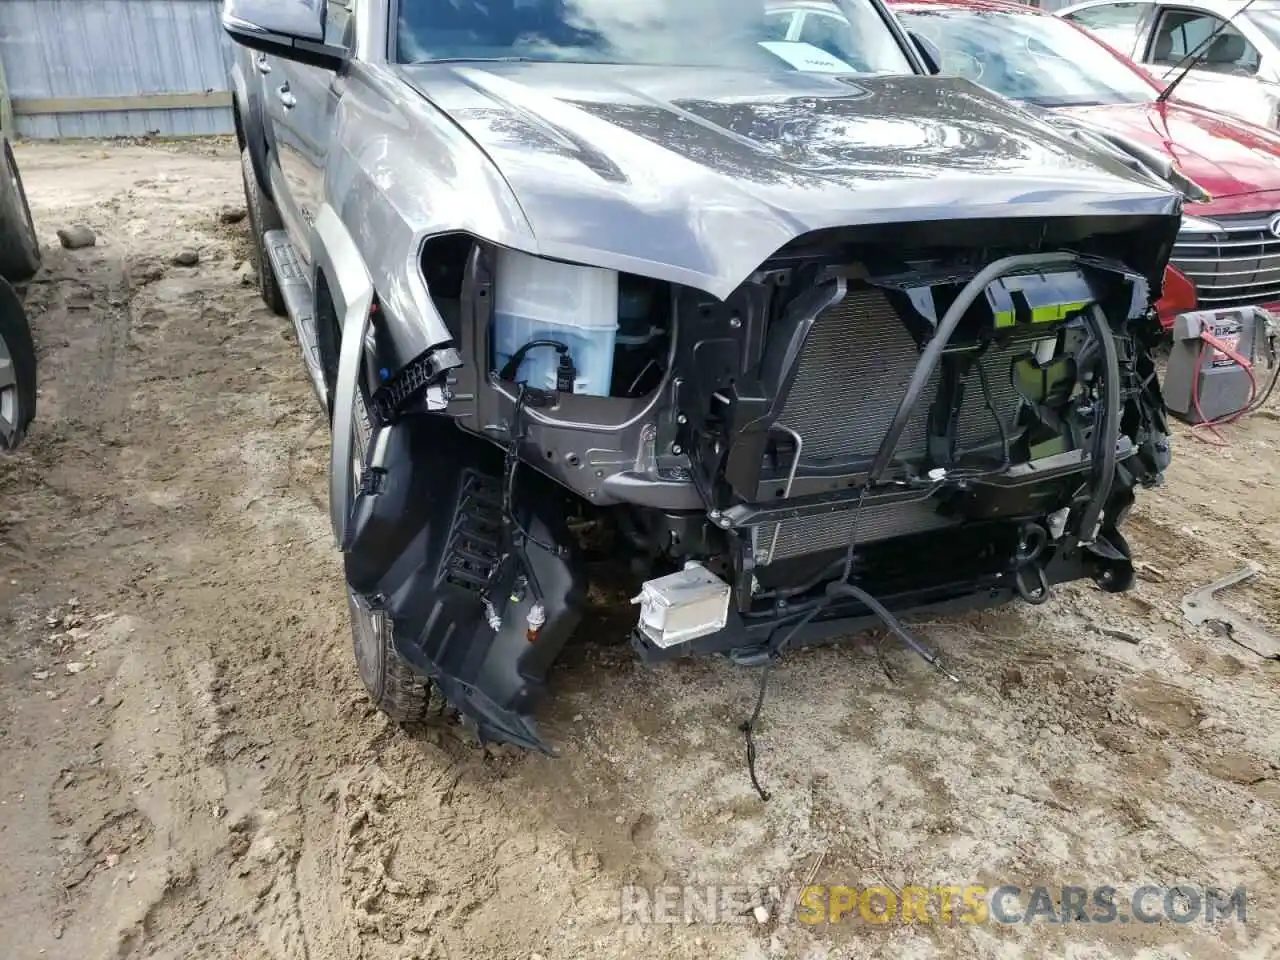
(929, 51)
(289, 29)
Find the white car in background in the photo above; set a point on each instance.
(1237, 72)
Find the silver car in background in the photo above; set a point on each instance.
(1238, 72)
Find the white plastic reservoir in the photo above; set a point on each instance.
(538, 299)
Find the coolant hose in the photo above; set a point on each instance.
(942, 336)
(1104, 446)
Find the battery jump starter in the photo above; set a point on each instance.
(1214, 375)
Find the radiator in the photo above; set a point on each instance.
(854, 370)
(815, 534)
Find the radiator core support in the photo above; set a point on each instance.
(859, 357)
(858, 354)
(883, 428)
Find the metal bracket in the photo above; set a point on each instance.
(1201, 606)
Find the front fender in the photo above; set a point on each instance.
(336, 258)
(401, 172)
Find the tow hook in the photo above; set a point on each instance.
(1029, 578)
(1031, 584)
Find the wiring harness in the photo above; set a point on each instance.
(517, 538)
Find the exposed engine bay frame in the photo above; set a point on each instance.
(696, 482)
(616, 450)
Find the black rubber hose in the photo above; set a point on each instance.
(512, 366)
(1104, 446)
(1261, 401)
(946, 327)
(836, 589)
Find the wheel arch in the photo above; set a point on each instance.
(238, 122)
(376, 291)
(339, 270)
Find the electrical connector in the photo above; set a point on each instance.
(566, 374)
(534, 620)
(491, 616)
(535, 397)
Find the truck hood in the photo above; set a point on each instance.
(699, 175)
(1225, 156)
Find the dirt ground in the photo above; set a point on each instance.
(190, 767)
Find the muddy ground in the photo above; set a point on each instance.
(189, 767)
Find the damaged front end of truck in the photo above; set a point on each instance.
(766, 341)
(919, 416)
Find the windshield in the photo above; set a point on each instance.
(1030, 57)
(742, 34)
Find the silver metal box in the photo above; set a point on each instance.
(683, 606)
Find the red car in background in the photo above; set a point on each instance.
(1228, 253)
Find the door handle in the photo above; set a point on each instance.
(264, 66)
(288, 100)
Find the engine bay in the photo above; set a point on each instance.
(848, 435)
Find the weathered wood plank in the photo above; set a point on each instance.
(44, 106)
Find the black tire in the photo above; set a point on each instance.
(263, 216)
(17, 370)
(394, 686)
(19, 245)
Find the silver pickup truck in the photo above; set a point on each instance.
(787, 337)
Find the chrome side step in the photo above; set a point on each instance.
(299, 300)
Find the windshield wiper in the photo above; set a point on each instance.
(1195, 55)
(1051, 102)
(475, 60)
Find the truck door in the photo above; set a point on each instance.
(301, 102)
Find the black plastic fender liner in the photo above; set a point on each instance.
(424, 539)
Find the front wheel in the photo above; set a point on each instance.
(394, 686)
(17, 370)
